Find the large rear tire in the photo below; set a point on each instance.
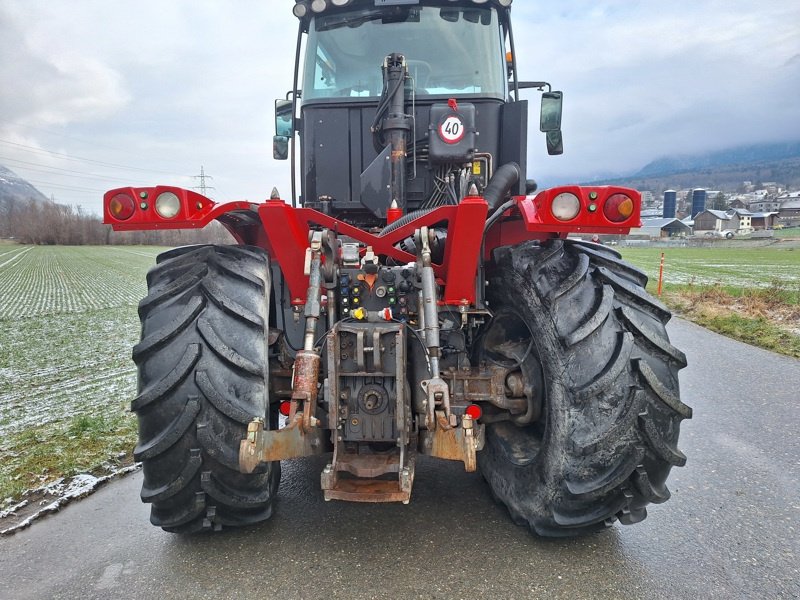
(203, 371)
(611, 412)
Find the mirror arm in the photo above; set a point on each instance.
(540, 85)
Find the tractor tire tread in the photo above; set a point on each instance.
(202, 364)
(613, 409)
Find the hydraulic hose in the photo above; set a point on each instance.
(501, 183)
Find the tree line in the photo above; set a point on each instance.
(49, 223)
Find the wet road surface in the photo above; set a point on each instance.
(730, 530)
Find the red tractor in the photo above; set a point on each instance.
(422, 299)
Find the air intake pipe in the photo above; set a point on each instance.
(500, 185)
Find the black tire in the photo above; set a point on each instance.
(611, 410)
(202, 364)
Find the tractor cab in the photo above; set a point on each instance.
(432, 81)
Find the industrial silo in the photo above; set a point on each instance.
(670, 202)
(699, 196)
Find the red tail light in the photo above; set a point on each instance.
(122, 207)
(618, 208)
(285, 407)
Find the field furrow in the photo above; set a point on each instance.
(67, 324)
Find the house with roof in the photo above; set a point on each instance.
(736, 220)
(745, 220)
(662, 228)
(789, 211)
(764, 220)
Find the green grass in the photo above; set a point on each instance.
(789, 232)
(41, 454)
(734, 268)
(67, 324)
(749, 294)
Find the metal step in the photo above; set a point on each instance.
(354, 479)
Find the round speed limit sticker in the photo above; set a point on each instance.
(452, 129)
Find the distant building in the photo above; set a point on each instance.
(737, 203)
(738, 221)
(745, 220)
(650, 213)
(662, 228)
(762, 203)
(789, 211)
(765, 220)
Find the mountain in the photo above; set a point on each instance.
(14, 187)
(724, 170)
(745, 155)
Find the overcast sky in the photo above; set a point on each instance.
(97, 94)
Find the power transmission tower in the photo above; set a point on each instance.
(203, 187)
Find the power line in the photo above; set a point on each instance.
(35, 150)
(66, 187)
(62, 172)
(68, 137)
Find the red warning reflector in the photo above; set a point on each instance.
(474, 411)
(285, 408)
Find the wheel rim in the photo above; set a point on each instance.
(509, 343)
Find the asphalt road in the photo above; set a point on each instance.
(729, 531)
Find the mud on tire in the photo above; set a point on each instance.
(611, 413)
(202, 363)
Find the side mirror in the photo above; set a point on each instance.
(280, 147)
(550, 123)
(555, 142)
(284, 118)
(551, 111)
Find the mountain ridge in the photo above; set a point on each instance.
(724, 170)
(15, 188)
(739, 155)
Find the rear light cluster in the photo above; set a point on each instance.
(152, 204)
(583, 206)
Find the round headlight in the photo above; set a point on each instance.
(566, 206)
(319, 6)
(300, 10)
(167, 205)
(121, 207)
(340, 2)
(505, 3)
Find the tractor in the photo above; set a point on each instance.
(419, 297)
